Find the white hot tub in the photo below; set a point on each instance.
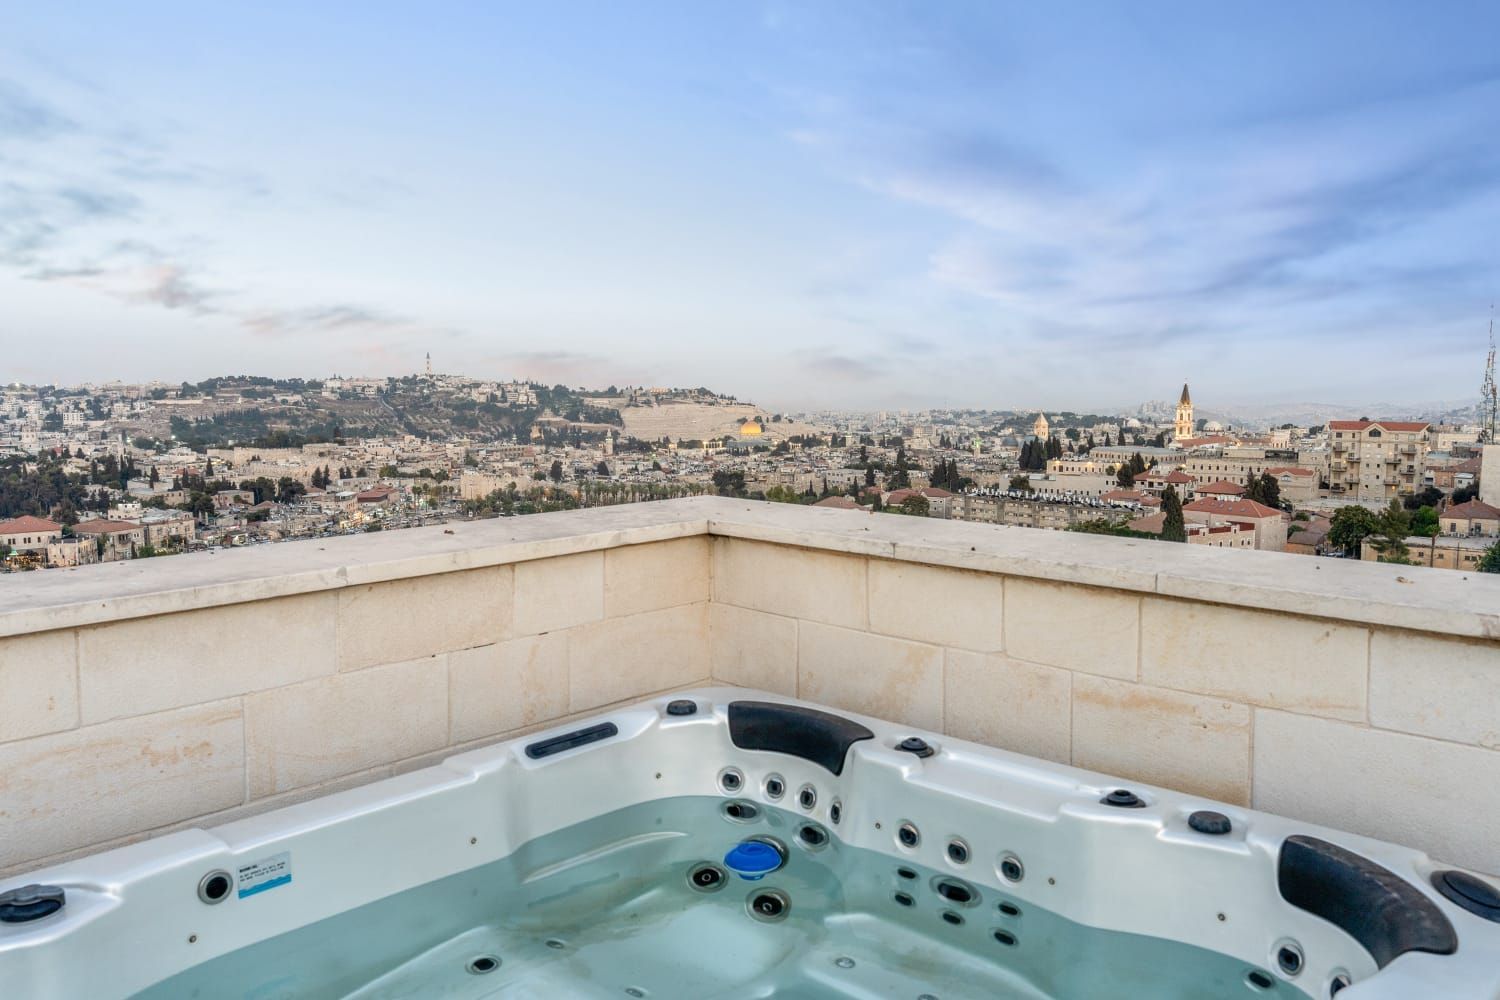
(731, 844)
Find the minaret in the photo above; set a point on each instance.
(429, 366)
(1184, 426)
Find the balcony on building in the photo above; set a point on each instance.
(142, 697)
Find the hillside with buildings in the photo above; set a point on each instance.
(98, 473)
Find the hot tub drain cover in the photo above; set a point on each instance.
(753, 860)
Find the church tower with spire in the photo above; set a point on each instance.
(1184, 426)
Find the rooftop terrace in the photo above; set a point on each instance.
(145, 696)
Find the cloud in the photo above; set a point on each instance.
(170, 287)
(1276, 226)
(24, 116)
(325, 317)
(98, 205)
(562, 367)
(827, 364)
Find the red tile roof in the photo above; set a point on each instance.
(1148, 522)
(1290, 470)
(102, 526)
(1472, 509)
(1232, 508)
(1175, 476)
(838, 503)
(899, 497)
(1223, 486)
(28, 523)
(1387, 425)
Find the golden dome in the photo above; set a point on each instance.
(751, 428)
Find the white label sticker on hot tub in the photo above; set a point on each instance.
(267, 873)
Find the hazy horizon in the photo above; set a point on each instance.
(996, 205)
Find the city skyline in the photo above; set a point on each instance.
(975, 207)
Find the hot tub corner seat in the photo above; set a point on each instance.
(820, 737)
(1386, 914)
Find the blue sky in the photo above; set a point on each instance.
(994, 204)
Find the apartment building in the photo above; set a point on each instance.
(1376, 460)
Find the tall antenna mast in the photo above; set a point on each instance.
(1489, 393)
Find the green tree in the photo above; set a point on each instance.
(1349, 527)
(1104, 526)
(1424, 522)
(914, 506)
(1490, 561)
(785, 494)
(556, 472)
(1431, 496)
(729, 484)
(901, 478)
(1022, 483)
(1392, 526)
(1269, 490)
(1173, 529)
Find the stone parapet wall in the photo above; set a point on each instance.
(137, 698)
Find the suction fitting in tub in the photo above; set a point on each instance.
(807, 797)
(481, 965)
(1259, 981)
(768, 905)
(31, 902)
(754, 859)
(707, 877)
(956, 892)
(740, 811)
(812, 836)
(682, 706)
(1289, 957)
(214, 887)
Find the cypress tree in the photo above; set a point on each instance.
(1173, 529)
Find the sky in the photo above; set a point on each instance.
(809, 205)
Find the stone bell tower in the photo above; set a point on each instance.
(1184, 427)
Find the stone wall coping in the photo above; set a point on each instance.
(1450, 602)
